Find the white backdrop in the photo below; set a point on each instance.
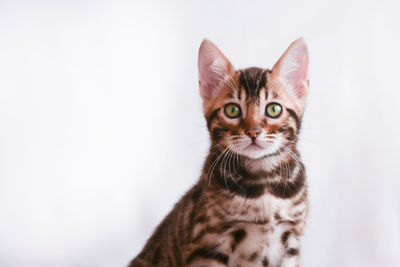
(101, 129)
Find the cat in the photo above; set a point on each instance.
(250, 204)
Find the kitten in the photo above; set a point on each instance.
(250, 204)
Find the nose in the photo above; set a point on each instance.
(253, 133)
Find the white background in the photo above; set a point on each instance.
(101, 128)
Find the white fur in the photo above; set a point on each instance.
(264, 239)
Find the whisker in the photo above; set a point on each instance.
(223, 163)
(232, 155)
(213, 165)
(297, 159)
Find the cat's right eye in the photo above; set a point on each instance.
(232, 110)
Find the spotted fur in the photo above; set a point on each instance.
(247, 209)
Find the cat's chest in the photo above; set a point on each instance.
(257, 245)
(262, 210)
(257, 236)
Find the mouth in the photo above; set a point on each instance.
(254, 146)
(254, 150)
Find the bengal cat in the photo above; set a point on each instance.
(250, 204)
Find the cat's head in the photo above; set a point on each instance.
(253, 112)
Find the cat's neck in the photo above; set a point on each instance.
(230, 171)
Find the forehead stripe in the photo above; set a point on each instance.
(252, 80)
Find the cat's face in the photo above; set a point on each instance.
(253, 112)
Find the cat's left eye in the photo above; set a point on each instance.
(232, 110)
(273, 110)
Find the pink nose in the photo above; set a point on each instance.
(253, 133)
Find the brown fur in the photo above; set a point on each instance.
(231, 216)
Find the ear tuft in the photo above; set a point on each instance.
(292, 69)
(213, 67)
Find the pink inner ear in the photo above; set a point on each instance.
(209, 79)
(213, 67)
(298, 77)
(292, 68)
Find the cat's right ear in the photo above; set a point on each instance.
(214, 67)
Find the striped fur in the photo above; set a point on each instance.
(244, 210)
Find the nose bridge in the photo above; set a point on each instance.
(253, 118)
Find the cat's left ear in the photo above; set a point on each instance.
(214, 68)
(292, 70)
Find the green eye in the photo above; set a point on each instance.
(273, 110)
(232, 110)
